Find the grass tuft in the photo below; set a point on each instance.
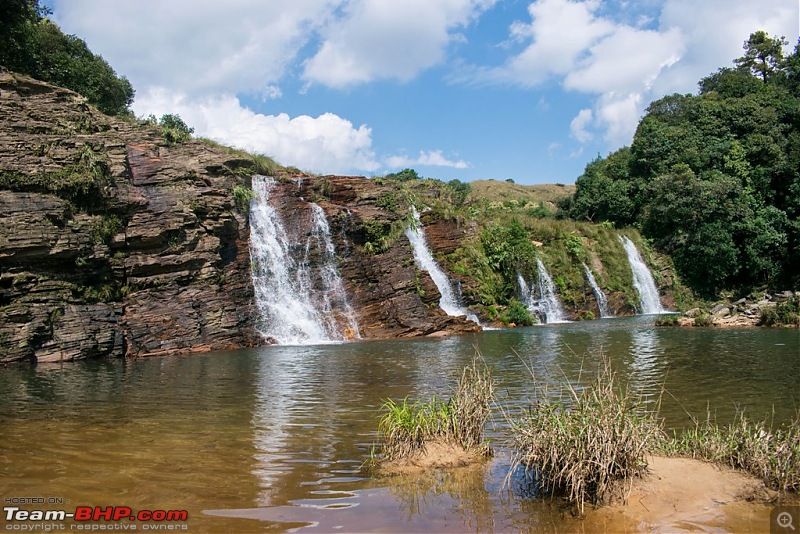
(773, 455)
(405, 428)
(583, 445)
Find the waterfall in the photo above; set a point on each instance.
(602, 301)
(642, 279)
(424, 260)
(300, 302)
(547, 307)
(524, 290)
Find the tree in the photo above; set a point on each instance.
(33, 45)
(763, 54)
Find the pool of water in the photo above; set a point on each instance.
(273, 439)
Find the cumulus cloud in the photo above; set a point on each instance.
(197, 47)
(376, 39)
(327, 143)
(627, 64)
(433, 158)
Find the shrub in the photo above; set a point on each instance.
(172, 127)
(518, 314)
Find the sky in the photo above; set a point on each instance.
(456, 89)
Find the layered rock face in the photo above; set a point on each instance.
(112, 242)
(389, 295)
(115, 243)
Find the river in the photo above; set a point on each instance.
(271, 439)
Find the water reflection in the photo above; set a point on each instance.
(278, 434)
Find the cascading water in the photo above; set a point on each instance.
(298, 303)
(642, 280)
(602, 301)
(335, 307)
(524, 290)
(424, 259)
(548, 307)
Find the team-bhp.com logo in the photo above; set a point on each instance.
(87, 517)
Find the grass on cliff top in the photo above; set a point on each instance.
(493, 190)
(261, 164)
(406, 428)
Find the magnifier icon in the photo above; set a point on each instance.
(785, 520)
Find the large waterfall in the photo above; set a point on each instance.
(424, 259)
(602, 301)
(298, 291)
(547, 306)
(642, 279)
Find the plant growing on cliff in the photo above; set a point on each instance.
(172, 128)
(242, 195)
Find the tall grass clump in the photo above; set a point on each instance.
(406, 428)
(588, 442)
(773, 455)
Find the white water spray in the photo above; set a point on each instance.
(642, 280)
(602, 301)
(298, 304)
(548, 307)
(424, 260)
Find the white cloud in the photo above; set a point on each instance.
(594, 50)
(379, 39)
(433, 158)
(197, 47)
(327, 143)
(578, 126)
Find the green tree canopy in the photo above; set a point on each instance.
(714, 178)
(32, 44)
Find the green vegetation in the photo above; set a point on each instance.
(250, 163)
(81, 182)
(714, 178)
(172, 128)
(771, 454)
(242, 195)
(406, 428)
(782, 314)
(508, 227)
(32, 44)
(584, 445)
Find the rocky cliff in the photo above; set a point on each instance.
(114, 242)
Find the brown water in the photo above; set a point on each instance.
(273, 439)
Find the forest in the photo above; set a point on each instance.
(713, 179)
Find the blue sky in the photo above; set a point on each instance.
(466, 89)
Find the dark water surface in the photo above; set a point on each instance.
(272, 439)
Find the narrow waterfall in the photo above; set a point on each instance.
(524, 290)
(424, 260)
(642, 279)
(547, 307)
(335, 307)
(602, 301)
(300, 302)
